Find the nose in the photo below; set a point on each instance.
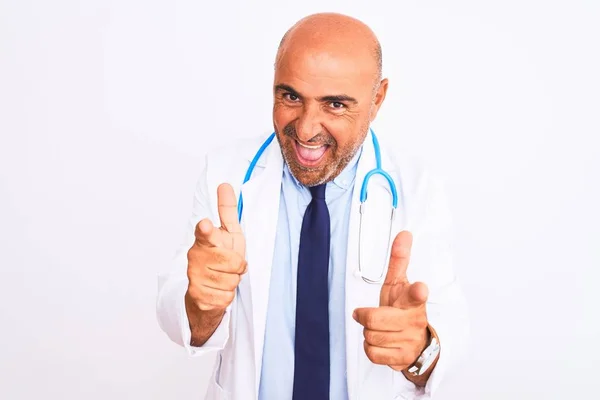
(308, 124)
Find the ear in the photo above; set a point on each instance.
(379, 97)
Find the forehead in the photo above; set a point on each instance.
(317, 73)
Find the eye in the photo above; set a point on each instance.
(337, 105)
(291, 97)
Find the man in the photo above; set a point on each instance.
(280, 297)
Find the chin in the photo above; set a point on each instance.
(310, 177)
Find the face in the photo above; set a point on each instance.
(322, 110)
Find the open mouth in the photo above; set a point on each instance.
(310, 155)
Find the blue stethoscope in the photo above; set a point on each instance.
(363, 198)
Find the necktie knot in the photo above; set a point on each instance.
(318, 192)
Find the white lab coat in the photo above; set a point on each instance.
(239, 338)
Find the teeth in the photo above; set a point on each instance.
(311, 147)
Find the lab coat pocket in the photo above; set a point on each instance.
(215, 391)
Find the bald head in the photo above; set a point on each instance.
(337, 35)
(327, 89)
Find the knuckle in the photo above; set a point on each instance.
(419, 321)
(243, 266)
(205, 307)
(370, 320)
(198, 293)
(213, 276)
(230, 296)
(374, 337)
(228, 282)
(371, 354)
(235, 281)
(192, 253)
(196, 271)
(199, 299)
(192, 273)
(194, 293)
(227, 298)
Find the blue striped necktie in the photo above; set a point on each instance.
(311, 360)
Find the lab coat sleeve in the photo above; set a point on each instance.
(431, 263)
(173, 284)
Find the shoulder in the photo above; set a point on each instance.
(420, 182)
(226, 162)
(230, 159)
(235, 150)
(412, 170)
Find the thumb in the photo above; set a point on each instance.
(399, 258)
(413, 296)
(227, 207)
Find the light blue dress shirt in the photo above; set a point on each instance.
(277, 376)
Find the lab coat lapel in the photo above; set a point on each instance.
(259, 222)
(358, 292)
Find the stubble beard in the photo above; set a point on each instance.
(309, 176)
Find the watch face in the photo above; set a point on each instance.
(427, 363)
(426, 358)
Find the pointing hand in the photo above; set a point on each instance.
(216, 261)
(396, 332)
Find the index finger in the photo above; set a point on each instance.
(227, 207)
(207, 235)
(380, 318)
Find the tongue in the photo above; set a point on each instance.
(311, 154)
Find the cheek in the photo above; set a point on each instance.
(282, 116)
(345, 136)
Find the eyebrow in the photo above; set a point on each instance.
(329, 98)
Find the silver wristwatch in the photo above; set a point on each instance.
(426, 358)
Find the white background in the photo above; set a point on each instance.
(106, 108)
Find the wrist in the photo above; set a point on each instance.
(420, 370)
(202, 323)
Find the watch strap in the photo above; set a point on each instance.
(428, 356)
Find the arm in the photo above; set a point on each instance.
(431, 262)
(417, 297)
(177, 316)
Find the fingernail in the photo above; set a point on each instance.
(354, 315)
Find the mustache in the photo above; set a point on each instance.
(322, 138)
